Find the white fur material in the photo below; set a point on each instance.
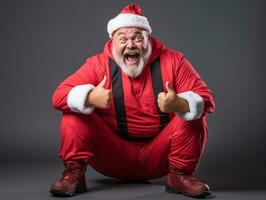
(196, 105)
(127, 20)
(77, 97)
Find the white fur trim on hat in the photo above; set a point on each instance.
(77, 97)
(196, 105)
(127, 20)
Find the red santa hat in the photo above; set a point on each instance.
(130, 16)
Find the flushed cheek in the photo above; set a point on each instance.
(121, 51)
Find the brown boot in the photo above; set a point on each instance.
(180, 182)
(73, 180)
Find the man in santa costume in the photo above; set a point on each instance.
(137, 111)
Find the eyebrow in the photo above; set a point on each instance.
(121, 34)
(134, 32)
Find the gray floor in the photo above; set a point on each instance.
(30, 181)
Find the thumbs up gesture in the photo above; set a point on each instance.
(169, 102)
(99, 97)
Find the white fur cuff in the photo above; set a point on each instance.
(196, 105)
(77, 97)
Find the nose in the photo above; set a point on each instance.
(130, 44)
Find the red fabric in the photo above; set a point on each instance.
(142, 116)
(88, 137)
(132, 9)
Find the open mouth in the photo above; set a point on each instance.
(131, 58)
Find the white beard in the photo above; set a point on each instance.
(135, 70)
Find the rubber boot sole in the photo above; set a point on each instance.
(61, 193)
(176, 191)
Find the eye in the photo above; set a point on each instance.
(123, 39)
(138, 38)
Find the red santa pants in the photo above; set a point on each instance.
(87, 137)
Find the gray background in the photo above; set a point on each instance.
(43, 42)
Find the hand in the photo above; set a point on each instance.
(169, 102)
(99, 97)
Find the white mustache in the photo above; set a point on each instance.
(132, 51)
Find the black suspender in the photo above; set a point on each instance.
(157, 84)
(119, 103)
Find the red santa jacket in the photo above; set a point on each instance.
(140, 104)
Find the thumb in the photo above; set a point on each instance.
(102, 83)
(168, 86)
